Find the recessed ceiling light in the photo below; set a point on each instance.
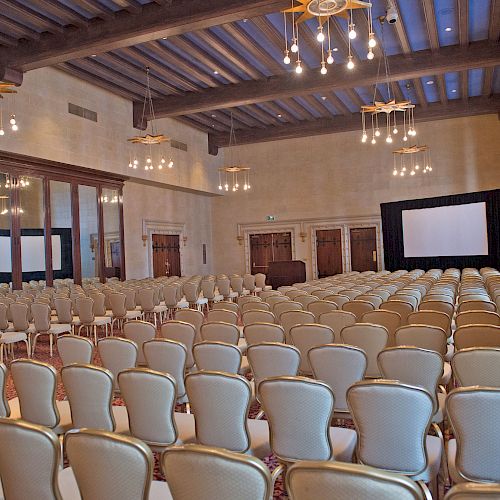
(429, 82)
(213, 125)
(323, 97)
(279, 116)
(163, 37)
(448, 29)
(213, 116)
(94, 55)
(245, 20)
(335, 49)
(216, 72)
(454, 90)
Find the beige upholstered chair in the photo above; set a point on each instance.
(339, 366)
(4, 404)
(30, 463)
(337, 320)
(208, 290)
(394, 419)
(389, 319)
(117, 354)
(168, 356)
(477, 366)
(254, 316)
(196, 318)
(256, 333)
(217, 356)
(64, 311)
(319, 307)
(220, 474)
(220, 403)
(474, 413)
(226, 305)
(401, 307)
(88, 320)
(358, 307)
(36, 384)
(90, 394)
(383, 294)
(433, 318)
(305, 300)
(126, 465)
(236, 282)
(118, 303)
(149, 307)
(150, 398)
(437, 305)
(182, 332)
(321, 294)
(299, 411)
(477, 336)
(9, 337)
(223, 315)
(400, 295)
(338, 299)
(305, 337)
(274, 299)
(294, 293)
(74, 349)
(474, 491)
(476, 305)
(43, 326)
(342, 481)
(371, 338)
(255, 306)
(423, 336)
(351, 293)
(192, 292)
(288, 305)
(375, 300)
(139, 332)
(245, 299)
(268, 293)
(477, 318)
(292, 318)
(224, 286)
(219, 331)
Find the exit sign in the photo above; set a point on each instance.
(270, 218)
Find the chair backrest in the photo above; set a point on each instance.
(220, 403)
(90, 393)
(292, 318)
(218, 331)
(4, 405)
(319, 307)
(302, 408)
(305, 300)
(224, 315)
(130, 298)
(128, 464)
(401, 307)
(413, 366)
(405, 297)
(256, 333)
(217, 356)
(344, 481)
(477, 305)
(255, 306)
(224, 286)
(249, 282)
(477, 336)
(477, 318)
(351, 293)
(64, 308)
(477, 366)
(182, 332)
(170, 294)
(4, 320)
(139, 332)
(260, 280)
(433, 318)
(29, 462)
(390, 319)
(375, 300)
(118, 303)
(193, 316)
(338, 299)
(437, 305)
(208, 289)
(473, 413)
(428, 337)
(337, 320)
(473, 491)
(371, 338)
(99, 306)
(305, 337)
(85, 307)
(245, 299)
(19, 314)
(117, 354)
(276, 298)
(339, 366)
(150, 398)
(236, 284)
(255, 316)
(358, 307)
(75, 349)
(191, 290)
(35, 384)
(393, 420)
(220, 474)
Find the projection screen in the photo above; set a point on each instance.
(454, 230)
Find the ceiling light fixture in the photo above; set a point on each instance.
(414, 158)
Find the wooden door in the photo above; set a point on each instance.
(329, 252)
(364, 249)
(166, 255)
(269, 247)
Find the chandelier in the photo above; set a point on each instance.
(153, 142)
(385, 114)
(323, 11)
(413, 159)
(7, 88)
(10, 183)
(233, 172)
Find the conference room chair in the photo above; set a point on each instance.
(477, 366)
(437, 305)
(217, 356)
(433, 318)
(150, 398)
(405, 297)
(220, 331)
(220, 403)
(474, 491)
(255, 306)
(34, 470)
(118, 305)
(319, 307)
(383, 294)
(88, 320)
(269, 293)
(117, 354)
(182, 332)
(223, 315)
(192, 292)
(292, 318)
(74, 349)
(236, 283)
(352, 294)
(476, 336)
(126, 465)
(476, 305)
(305, 337)
(256, 316)
(358, 307)
(8, 337)
(272, 300)
(480, 295)
(220, 474)
(149, 309)
(339, 366)
(337, 320)
(338, 299)
(299, 411)
(224, 287)
(342, 481)
(477, 318)
(256, 333)
(305, 300)
(375, 300)
(64, 312)
(321, 294)
(249, 284)
(245, 299)
(260, 282)
(389, 319)
(35, 383)
(90, 390)
(371, 338)
(289, 305)
(192, 316)
(472, 454)
(403, 308)
(393, 419)
(139, 332)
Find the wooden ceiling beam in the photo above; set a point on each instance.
(494, 27)
(98, 9)
(430, 21)
(488, 82)
(246, 118)
(338, 104)
(464, 85)
(463, 22)
(132, 6)
(17, 29)
(152, 23)
(419, 64)
(61, 10)
(437, 111)
(441, 86)
(194, 124)
(18, 9)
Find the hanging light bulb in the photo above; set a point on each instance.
(372, 42)
(352, 32)
(388, 139)
(404, 169)
(2, 131)
(370, 54)
(171, 164)
(245, 187)
(395, 172)
(402, 174)
(146, 167)
(364, 137)
(320, 36)
(323, 70)
(12, 119)
(417, 166)
(148, 160)
(330, 59)
(405, 138)
(374, 141)
(136, 162)
(15, 128)
(350, 64)
(412, 172)
(298, 68)
(163, 160)
(294, 48)
(377, 132)
(160, 166)
(220, 187)
(395, 131)
(130, 165)
(226, 186)
(286, 59)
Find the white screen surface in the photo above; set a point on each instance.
(453, 230)
(32, 253)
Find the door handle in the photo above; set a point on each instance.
(374, 255)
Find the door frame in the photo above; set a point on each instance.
(378, 237)
(150, 227)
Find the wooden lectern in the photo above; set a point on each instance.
(286, 272)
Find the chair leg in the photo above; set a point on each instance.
(51, 343)
(426, 491)
(1, 352)
(32, 344)
(444, 461)
(276, 473)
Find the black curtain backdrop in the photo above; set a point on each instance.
(392, 225)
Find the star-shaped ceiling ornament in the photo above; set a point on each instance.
(323, 9)
(387, 107)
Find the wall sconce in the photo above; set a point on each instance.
(303, 236)
(144, 239)
(184, 239)
(240, 239)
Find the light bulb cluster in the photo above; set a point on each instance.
(231, 180)
(11, 182)
(110, 199)
(149, 164)
(412, 161)
(12, 121)
(391, 122)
